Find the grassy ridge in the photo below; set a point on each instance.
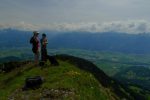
(66, 77)
(111, 63)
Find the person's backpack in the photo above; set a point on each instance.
(32, 40)
(33, 82)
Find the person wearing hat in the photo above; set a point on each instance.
(35, 46)
(44, 43)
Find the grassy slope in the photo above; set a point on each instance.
(109, 66)
(66, 77)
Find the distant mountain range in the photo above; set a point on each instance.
(109, 41)
(14, 38)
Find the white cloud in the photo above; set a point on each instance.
(130, 26)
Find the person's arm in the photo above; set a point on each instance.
(45, 42)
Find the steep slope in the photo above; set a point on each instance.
(137, 78)
(138, 75)
(74, 78)
(107, 82)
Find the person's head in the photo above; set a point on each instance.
(43, 35)
(35, 33)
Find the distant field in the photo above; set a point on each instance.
(109, 62)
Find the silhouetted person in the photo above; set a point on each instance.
(35, 46)
(44, 43)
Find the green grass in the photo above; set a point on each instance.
(66, 77)
(56, 76)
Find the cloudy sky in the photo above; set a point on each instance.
(86, 15)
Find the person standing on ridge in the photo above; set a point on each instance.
(35, 46)
(44, 42)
